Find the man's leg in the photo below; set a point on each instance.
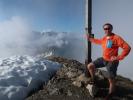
(111, 85)
(98, 63)
(112, 71)
(91, 68)
(111, 88)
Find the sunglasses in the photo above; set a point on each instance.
(106, 28)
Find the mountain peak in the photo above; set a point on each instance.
(62, 87)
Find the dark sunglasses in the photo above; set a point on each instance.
(106, 28)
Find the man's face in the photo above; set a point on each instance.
(107, 29)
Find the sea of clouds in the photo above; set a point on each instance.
(17, 38)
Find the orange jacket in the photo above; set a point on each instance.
(117, 42)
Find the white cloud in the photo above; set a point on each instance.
(18, 39)
(13, 35)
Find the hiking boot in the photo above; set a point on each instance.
(92, 81)
(109, 96)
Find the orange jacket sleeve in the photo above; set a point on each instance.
(96, 41)
(126, 48)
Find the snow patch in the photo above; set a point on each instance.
(21, 74)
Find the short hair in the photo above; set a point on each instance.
(110, 25)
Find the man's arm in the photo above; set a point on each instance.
(93, 40)
(126, 48)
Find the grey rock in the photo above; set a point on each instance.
(70, 83)
(92, 89)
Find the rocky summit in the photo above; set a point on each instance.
(71, 83)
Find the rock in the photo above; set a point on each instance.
(70, 83)
(54, 91)
(81, 80)
(100, 75)
(71, 74)
(77, 83)
(69, 93)
(92, 89)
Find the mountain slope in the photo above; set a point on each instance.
(62, 86)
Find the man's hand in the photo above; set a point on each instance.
(114, 58)
(87, 36)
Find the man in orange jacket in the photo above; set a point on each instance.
(110, 44)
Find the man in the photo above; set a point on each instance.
(110, 44)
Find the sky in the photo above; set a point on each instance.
(41, 15)
(69, 16)
(119, 14)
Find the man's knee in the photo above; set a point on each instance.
(90, 66)
(112, 81)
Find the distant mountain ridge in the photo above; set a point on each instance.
(65, 44)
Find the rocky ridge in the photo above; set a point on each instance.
(70, 81)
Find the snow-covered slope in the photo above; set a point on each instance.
(21, 74)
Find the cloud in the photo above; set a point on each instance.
(17, 38)
(13, 36)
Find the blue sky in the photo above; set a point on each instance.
(69, 16)
(119, 14)
(59, 15)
